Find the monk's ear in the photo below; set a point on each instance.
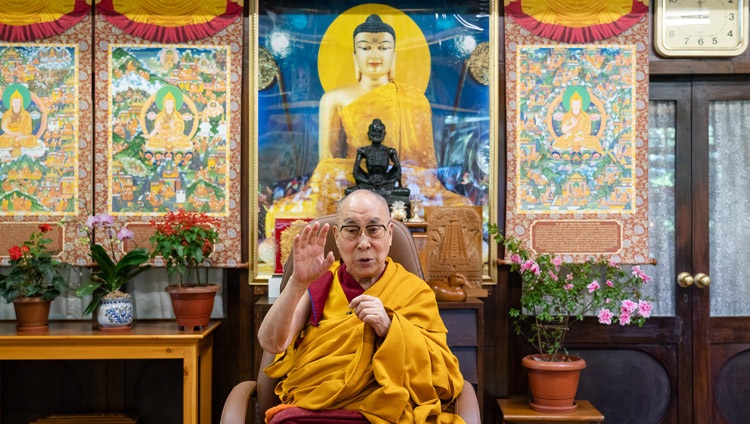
(392, 71)
(357, 71)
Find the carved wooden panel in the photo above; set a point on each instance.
(454, 243)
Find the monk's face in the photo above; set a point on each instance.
(169, 105)
(364, 257)
(15, 104)
(575, 106)
(374, 53)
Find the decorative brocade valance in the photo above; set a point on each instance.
(23, 20)
(576, 21)
(170, 21)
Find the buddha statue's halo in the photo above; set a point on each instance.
(335, 63)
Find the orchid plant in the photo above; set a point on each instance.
(115, 267)
(557, 293)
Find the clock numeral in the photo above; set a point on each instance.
(671, 34)
(731, 16)
(687, 40)
(729, 33)
(714, 40)
(700, 41)
(673, 1)
(730, 1)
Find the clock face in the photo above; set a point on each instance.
(700, 27)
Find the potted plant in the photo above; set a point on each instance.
(185, 240)
(557, 293)
(114, 268)
(34, 280)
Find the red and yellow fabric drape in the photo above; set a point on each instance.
(576, 21)
(24, 20)
(170, 21)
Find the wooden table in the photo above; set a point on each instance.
(146, 340)
(517, 410)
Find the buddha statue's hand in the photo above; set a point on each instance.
(310, 259)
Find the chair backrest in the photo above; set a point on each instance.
(403, 251)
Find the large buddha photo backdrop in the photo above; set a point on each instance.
(422, 67)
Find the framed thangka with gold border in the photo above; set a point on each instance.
(46, 130)
(311, 105)
(170, 110)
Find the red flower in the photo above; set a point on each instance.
(15, 253)
(25, 249)
(45, 227)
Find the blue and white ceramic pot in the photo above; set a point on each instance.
(115, 313)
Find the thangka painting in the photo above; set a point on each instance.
(577, 144)
(169, 143)
(45, 138)
(431, 88)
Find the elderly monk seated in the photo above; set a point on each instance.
(362, 335)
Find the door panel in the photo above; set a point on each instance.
(721, 242)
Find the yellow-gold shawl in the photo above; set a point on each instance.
(410, 376)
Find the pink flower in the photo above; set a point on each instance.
(91, 222)
(568, 286)
(605, 316)
(594, 286)
(613, 263)
(557, 262)
(610, 283)
(628, 307)
(552, 275)
(516, 259)
(125, 234)
(624, 319)
(569, 277)
(531, 266)
(106, 220)
(640, 274)
(644, 308)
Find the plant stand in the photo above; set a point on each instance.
(517, 410)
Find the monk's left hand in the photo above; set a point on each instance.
(370, 310)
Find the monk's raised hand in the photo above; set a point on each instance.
(370, 310)
(310, 260)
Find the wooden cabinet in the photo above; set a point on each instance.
(465, 323)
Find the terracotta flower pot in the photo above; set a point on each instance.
(553, 385)
(32, 314)
(192, 305)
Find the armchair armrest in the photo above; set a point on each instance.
(467, 406)
(236, 405)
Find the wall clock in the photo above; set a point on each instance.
(700, 27)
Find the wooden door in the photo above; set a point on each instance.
(720, 254)
(691, 363)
